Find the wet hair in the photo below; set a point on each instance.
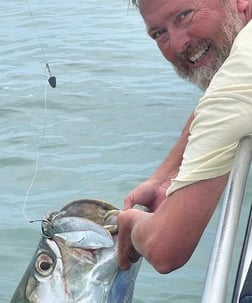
(135, 2)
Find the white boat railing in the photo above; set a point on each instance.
(216, 284)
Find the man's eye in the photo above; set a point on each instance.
(157, 34)
(186, 15)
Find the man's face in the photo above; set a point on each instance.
(194, 35)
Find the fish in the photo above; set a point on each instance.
(77, 258)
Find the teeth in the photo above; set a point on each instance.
(198, 55)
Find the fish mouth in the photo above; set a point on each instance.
(78, 248)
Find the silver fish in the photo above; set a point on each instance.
(76, 259)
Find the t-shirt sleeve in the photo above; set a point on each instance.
(222, 118)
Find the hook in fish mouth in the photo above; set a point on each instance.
(40, 220)
(45, 223)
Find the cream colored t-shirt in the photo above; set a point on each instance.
(222, 117)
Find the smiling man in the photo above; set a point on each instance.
(209, 43)
(197, 39)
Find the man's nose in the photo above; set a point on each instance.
(179, 39)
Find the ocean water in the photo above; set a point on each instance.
(116, 111)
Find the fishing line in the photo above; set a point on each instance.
(51, 78)
(52, 81)
(38, 157)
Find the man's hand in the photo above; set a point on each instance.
(167, 237)
(149, 193)
(126, 220)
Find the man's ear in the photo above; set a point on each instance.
(242, 5)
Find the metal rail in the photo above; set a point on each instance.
(242, 291)
(215, 290)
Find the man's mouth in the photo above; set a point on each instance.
(199, 55)
(195, 53)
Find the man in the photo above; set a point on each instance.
(209, 43)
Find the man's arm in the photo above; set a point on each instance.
(152, 192)
(168, 237)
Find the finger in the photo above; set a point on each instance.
(128, 202)
(124, 243)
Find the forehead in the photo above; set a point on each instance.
(154, 10)
(149, 6)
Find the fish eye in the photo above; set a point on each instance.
(44, 264)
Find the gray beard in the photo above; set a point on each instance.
(202, 76)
